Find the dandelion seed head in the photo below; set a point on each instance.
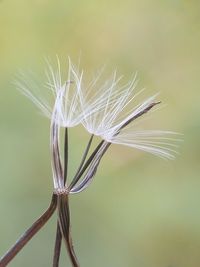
(107, 108)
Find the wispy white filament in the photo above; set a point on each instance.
(159, 143)
(107, 104)
(66, 94)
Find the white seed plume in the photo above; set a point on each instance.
(65, 96)
(113, 114)
(159, 143)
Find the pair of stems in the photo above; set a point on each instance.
(59, 233)
(23, 240)
(62, 203)
(63, 223)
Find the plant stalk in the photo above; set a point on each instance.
(64, 222)
(57, 246)
(23, 240)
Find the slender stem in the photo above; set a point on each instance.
(58, 241)
(78, 176)
(64, 221)
(23, 240)
(56, 159)
(84, 156)
(57, 247)
(91, 173)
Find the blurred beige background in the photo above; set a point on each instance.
(140, 211)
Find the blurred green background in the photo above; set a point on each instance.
(140, 211)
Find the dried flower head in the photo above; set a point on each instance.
(108, 110)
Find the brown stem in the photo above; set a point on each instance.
(57, 247)
(64, 221)
(22, 241)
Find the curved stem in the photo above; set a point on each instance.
(64, 222)
(85, 166)
(57, 247)
(84, 156)
(23, 240)
(91, 172)
(58, 241)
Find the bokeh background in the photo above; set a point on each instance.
(140, 211)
